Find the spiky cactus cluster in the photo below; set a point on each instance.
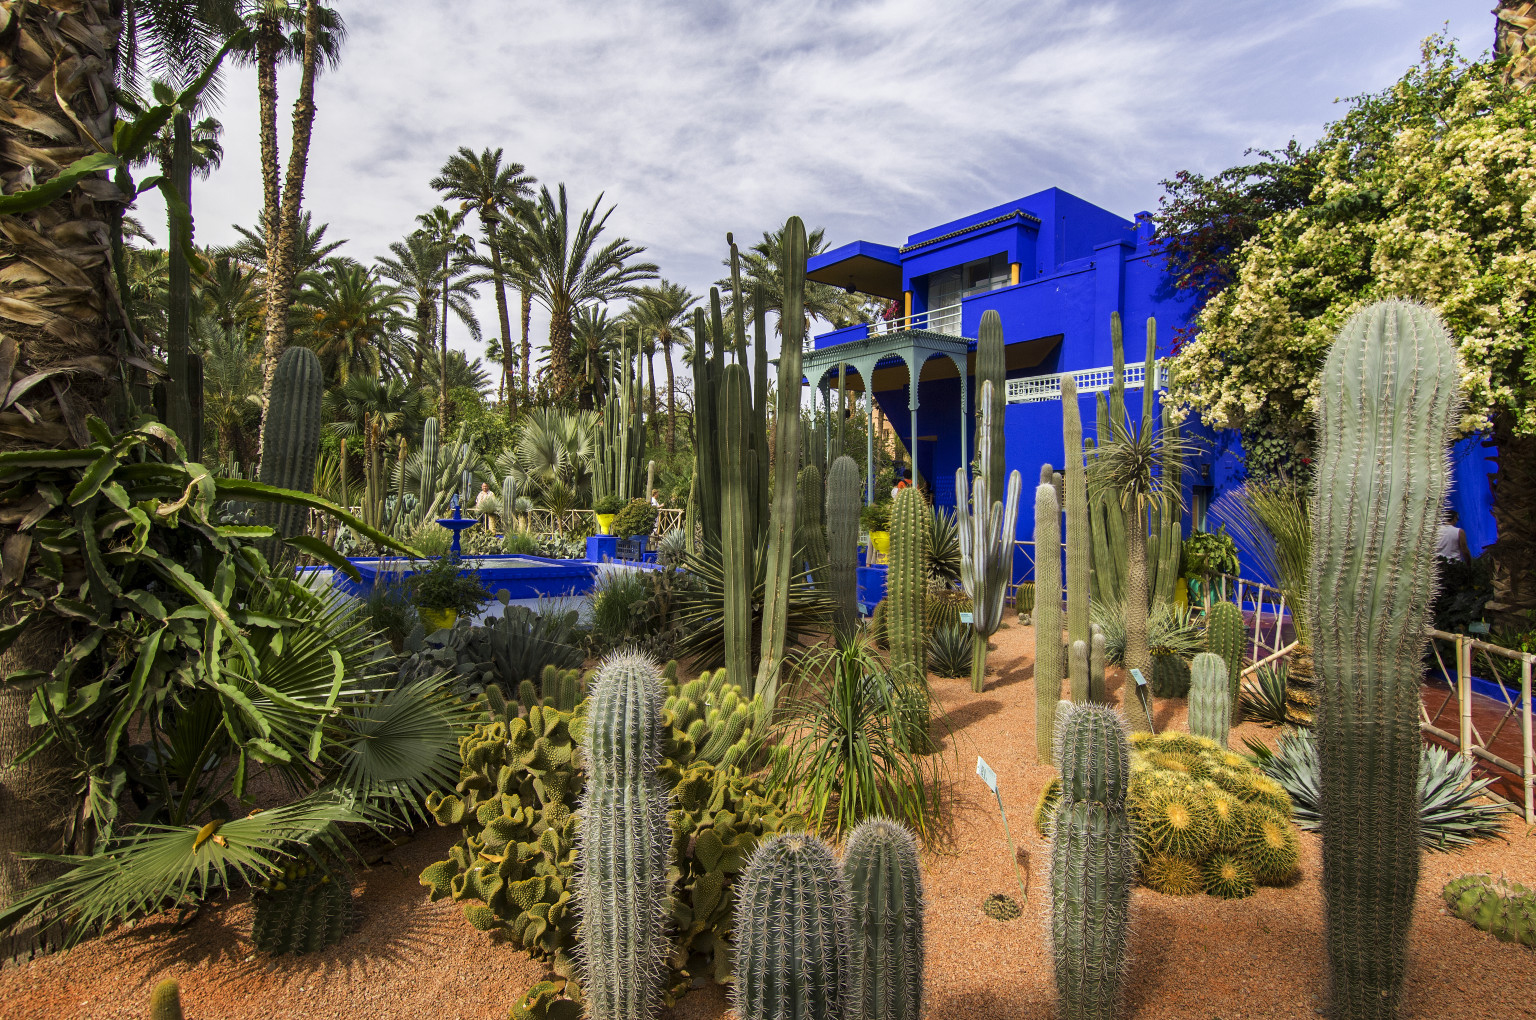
(1389, 401)
(305, 907)
(885, 878)
(1210, 698)
(1225, 635)
(794, 915)
(987, 524)
(719, 723)
(621, 856)
(1504, 909)
(291, 436)
(843, 506)
(1093, 863)
(1049, 667)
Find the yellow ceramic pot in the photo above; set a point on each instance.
(438, 619)
(604, 522)
(881, 541)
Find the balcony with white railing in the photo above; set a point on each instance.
(1034, 388)
(944, 321)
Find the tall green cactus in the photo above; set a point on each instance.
(1078, 675)
(886, 881)
(1079, 539)
(735, 519)
(793, 914)
(843, 506)
(508, 503)
(1389, 400)
(622, 850)
(291, 436)
(430, 465)
(992, 367)
(1093, 864)
(1048, 664)
(986, 528)
(1097, 650)
(1210, 699)
(810, 536)
(1226, 635)
(906, 583)
(706, 457)
(781, 518)
(1167, 540)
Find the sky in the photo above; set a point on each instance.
(871, 119)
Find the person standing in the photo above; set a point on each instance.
(1451, 541)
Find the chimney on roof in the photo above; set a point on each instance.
(1144, 228)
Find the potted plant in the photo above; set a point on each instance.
(444, 590)
(604, 510)
(876, 519)
(635, 520)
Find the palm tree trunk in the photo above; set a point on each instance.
(267, 35)
(560, 350)
(281, 262)
(527, 313)
(499, 279)
(1514, 39)
(57, 54)
(423, 325)
(1137, 653)
(1514, 511)
(666, 358)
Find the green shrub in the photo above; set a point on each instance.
(637, 519)
(876, 516)
(446, 583)
(949, 650)
(613, 600)
(609, 504)
(520, 782)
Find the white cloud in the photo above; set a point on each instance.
(874, 119)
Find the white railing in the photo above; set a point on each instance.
(944, 320)
(1035, 388)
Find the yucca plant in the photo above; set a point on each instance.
(842, 754)
(1449, 818)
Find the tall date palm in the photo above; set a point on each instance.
(567, 267)
(418, 266)
(665, 312)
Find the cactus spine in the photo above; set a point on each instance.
(1078, 672)
(165, 1001)
(622, 851)
(735, 517)
(1388, 402)
(1078, 537)
(905, 589)
(792, 918)
(843, 505)
(1048, 664)
(886, 882)
(1093, 864)
(429, 463)
(291, 436)
(1210, 702)
(782, 540)
(1096, 652)
(986, 529)
(1224, 635)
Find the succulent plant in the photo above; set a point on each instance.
(1228, 877)
(811, 552)
(305, 907)
(1172, 876)
(949, 650)
(165, 1001)
(987, 524)
(1225, 635)
(1505, 909)
(1001, 907)
(291, 436)
(885, 878)
(792, 959)
(1049, 668)
(843, 505)
(1170, 674)
(1079, 539)
(1210, 699)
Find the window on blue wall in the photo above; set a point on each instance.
(984, 274)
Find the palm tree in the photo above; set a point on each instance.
(485, 185)
(231, 386)
(763, 265)
(375, 409)
(665, 310)
(566, 269)
(229, 292)
(348, 318)
(456, 252)
(310, 248)
(418, 266)
(461, 373)
(58, 313)
(1514, 39)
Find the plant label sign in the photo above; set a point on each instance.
(966, 618)
(1141, 681)
(985, 772)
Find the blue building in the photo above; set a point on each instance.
(1054, 267)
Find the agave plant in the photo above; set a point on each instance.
(1449, 820)
(697, 607)
(950, 649)
(1169, 629)
(1263, 697)
(943, 547)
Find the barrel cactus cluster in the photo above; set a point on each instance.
(1504, 909)
(305, 907)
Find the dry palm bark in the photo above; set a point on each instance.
(58, 354)
(1514, 37)
(283, 223)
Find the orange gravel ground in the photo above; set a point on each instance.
(1195, 957)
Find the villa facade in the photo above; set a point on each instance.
(1054, 267)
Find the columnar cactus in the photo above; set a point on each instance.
(1226, 636)
(508, 502)
(986, 529)
(1388, 402)
(429, 463)
(165, 1001)
(623, 847)
(810, 536)
(991, 405)
(1097, 649)
(706, 458)
(843, 506)
(792, 918)
(1078, 673)
(1167, 545)
(735, 518)
(1210, 699)
(905, 590)
(291, 436)
(886, 947)
(1078, 537)
(1093, 864)
(1048, 664)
